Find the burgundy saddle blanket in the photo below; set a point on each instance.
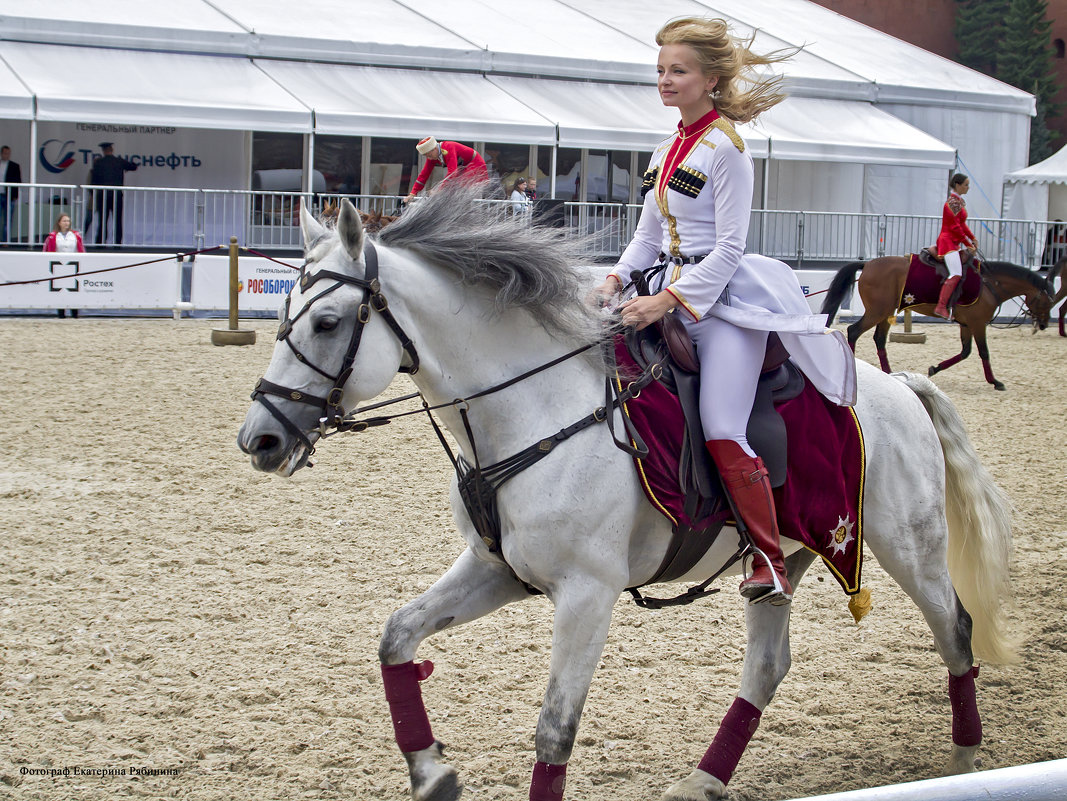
(821, 502)
(923, 285)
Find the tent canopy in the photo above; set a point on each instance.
(16, 101)
(168, 89)
(376, 101)
(1052, 170)
(812, 129)
(1038, 192)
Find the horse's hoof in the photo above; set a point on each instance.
(962, 760)
(697, 786)
(932, 371)
(999, 386)
(432, 779)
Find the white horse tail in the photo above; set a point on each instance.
(979, 528)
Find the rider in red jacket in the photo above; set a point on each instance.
(454, 157)
(954, 233)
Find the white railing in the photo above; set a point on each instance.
(194, 219)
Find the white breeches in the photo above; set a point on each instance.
(730, 363)
(954, 263)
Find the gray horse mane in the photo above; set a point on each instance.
(526, 266)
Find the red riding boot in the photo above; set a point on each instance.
(746, 480)
(947, 289)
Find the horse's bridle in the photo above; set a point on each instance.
(994, 287)
(477, 484)
(332, 412)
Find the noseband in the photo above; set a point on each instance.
(332, 412)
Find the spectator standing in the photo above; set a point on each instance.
(531, 188)
(108, 170)
(10, 173)
(520, 200)
(64, 240)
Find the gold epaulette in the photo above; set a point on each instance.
(727, 128)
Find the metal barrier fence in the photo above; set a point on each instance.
(161, 217)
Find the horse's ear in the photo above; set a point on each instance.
(350, 229)
(311, 227)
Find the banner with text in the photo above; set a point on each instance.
(64, 284)
(262, 283)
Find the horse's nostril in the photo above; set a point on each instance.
(265, 443)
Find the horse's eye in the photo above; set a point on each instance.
(327, 322)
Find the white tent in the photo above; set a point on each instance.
(1038, 192)
(876, 120)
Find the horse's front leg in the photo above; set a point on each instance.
(983, 353)
(582, 617)
(965, 351)
(767, 661)
(469, 589)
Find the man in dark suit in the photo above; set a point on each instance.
(108, 170)
(10, 173)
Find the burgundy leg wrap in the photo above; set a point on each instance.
(947, 363)
(410, 723)
(731, 740)
(883, 360)
(988, 368)
(548, 782)
(966, 724)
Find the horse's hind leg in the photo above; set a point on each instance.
(470, 589)
(920, 568)
(767, 661)
(965, 351)
(881, 335)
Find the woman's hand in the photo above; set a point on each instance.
(644, 310)
(604, 293)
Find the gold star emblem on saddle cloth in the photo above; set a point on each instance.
(909, 299)
(842, 535)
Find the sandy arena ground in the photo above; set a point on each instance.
(165, 607)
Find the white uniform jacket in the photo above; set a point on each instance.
(703, 210)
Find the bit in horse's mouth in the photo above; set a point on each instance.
(297, 459)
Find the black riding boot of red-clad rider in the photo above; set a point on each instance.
(746, 480)
(946, 292)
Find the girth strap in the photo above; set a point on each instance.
(478, 485)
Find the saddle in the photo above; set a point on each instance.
(706, 506)
(927, 273)
(929, 257)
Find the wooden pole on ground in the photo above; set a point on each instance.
(233, 335)
(907, 335)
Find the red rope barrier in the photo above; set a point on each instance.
(111, 269)
(269, 258)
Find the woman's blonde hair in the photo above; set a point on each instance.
(721, 54)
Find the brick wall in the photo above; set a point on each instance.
(930, 24)
(926, 23)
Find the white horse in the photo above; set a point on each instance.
(466, 303)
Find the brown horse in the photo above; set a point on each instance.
(881, 285)
(373, 221)
(1057, 271)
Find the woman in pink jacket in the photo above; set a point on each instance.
(64, 240)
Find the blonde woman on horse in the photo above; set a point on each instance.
(954, 235)
(697, 202)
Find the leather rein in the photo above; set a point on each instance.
(478, 483)
(332, 413)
